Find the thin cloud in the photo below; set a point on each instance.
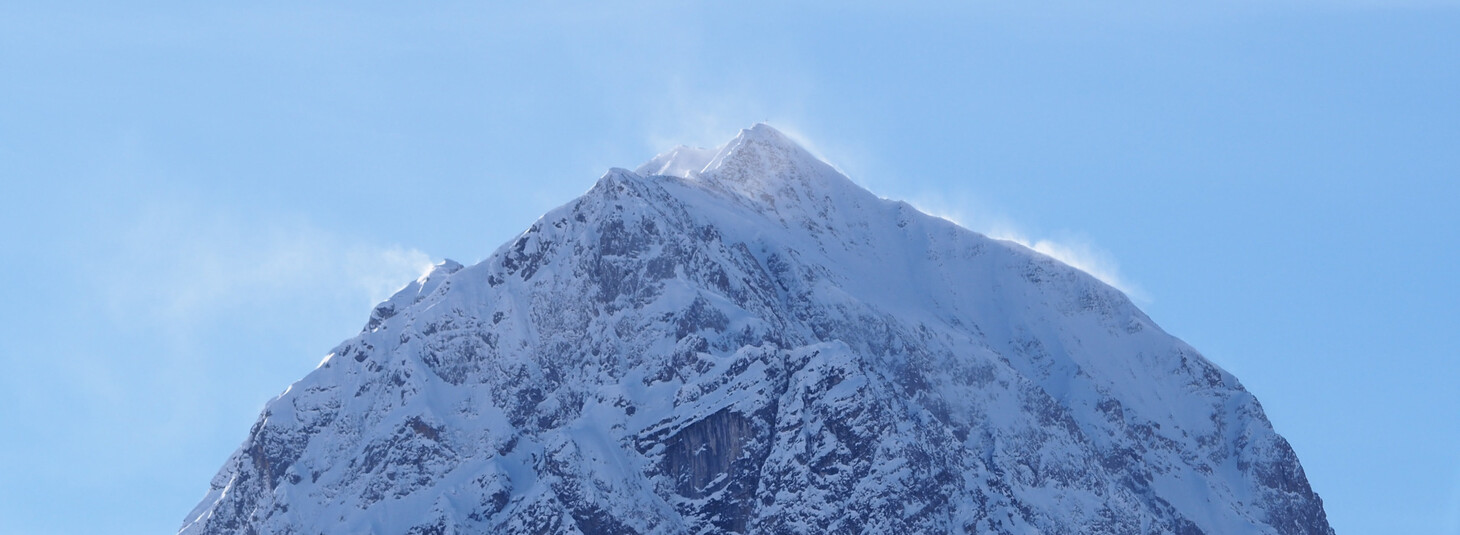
(187, 294)
(177, 267)
(707, 117)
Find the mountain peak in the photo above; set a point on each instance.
(766, 133)
(682, 161)
(765, 167)
(759, 346)
(762, 153)
(747, 151)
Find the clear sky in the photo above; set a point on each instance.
(200, 200)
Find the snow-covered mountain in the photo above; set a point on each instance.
(742, 340)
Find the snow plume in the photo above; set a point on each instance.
(1082, 255)
(1078, 251)
(705, 117)
(176, 267)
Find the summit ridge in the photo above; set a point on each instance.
(687, 162)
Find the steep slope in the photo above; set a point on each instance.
(742, 340)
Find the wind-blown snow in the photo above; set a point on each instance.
(742, 340)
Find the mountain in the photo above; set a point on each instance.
(741, 340)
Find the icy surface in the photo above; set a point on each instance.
(742, 340)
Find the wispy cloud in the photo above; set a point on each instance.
(686, 114)
(190, 298)
(178, 266)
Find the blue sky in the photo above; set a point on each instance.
(202, 200)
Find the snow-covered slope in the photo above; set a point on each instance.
(742, 340)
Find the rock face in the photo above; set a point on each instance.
(740, 340)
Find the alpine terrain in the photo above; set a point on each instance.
(741, 340)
